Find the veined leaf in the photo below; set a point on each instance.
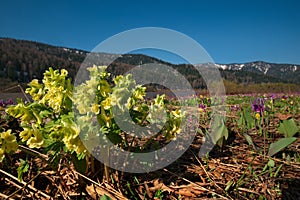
(249, 119)
(288, 128)
(219, 131)
(246, 119)
(280, 144)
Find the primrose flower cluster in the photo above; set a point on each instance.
(50, 118)
(96, 98)
(56, 89)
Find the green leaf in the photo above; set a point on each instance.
(114, 138)
(250, 122)
(80, 165)
(278, 170)
(45, 113)
(225, 132)
(23, 168)
(246, 119)
(105, 197)
(229, 185)
(288, 128)
(280, 144)
(250, 142)
(241, 121)
(271, 163)
(219, 131)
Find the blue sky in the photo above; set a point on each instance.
(230, 30)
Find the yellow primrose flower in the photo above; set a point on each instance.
(35, 83)
(106, 117)
(82, 109)
(176, 130)
(92, 69)
(8, 141)
(7, 135)
(139, 92)
(26, 134)
(10, 146)
(63, 72)
(74, 143)
(95, 109)
(104, 88)
(107, 103)
(35, 90)
(159, 100)
(117, 79)
(75, 130)
(176, 113)
(91, 85)
(37, 141)
(33, 137)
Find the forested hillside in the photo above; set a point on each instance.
(21, 61)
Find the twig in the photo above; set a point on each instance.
(87, 178)
(12, 183)
(247, 190)
(57, 186)
(294, 164)
(33, 152)
(16, 86)
(26, 184)
(201, 164)
(23, 93)
(205, 171)
(198, 185)
(4, 196)
(99, 185)
(17, 186)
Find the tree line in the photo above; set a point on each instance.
(21, 61)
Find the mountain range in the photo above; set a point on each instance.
(22, 61)
(284, 72)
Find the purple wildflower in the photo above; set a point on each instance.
(273, 96)
(9, 102)
(258, 105)
(5, 103)
(235, 107)
(202, 107)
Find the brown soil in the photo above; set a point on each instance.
(235, 171)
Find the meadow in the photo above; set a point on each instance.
(256, 152)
